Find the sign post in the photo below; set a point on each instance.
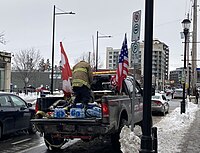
(136, 26)
(136, 20)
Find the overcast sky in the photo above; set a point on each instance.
(28, 23)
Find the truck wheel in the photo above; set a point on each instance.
(53, 143)
(116, 136)
(32, 129)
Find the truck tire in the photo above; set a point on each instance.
(32, 129)
(53, 143)
(116, 136)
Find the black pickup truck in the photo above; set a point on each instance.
(116, 112)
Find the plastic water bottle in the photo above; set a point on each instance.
(94, 112)
(80, 113)
(90, 113)
(62, 113)
(97, 111)
(73, 112)
(79, 105)
(91, 105)
(56, 113)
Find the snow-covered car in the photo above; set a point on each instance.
(159, 103)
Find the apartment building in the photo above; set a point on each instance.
(112, 57)
(160, 61)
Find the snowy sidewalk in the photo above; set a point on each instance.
(191, 138)
(177, 133)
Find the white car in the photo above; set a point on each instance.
(178, 93)
(159, 103)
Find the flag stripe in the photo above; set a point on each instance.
(123, 64)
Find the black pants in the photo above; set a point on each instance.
(82, 94)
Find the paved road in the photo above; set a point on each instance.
(24, 143)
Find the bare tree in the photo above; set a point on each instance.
(27, 61)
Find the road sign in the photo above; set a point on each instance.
(198, 69)
(136, 25)
(135, 47)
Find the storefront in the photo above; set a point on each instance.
(5, 71)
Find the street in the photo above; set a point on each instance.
(22, 142)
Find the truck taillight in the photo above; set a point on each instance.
(36, 107)
(105, 110)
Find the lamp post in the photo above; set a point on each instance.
(189, 65)
(186, 26)
(52, 69)
(98, 47)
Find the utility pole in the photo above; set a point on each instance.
(188, 62)
(53, 38)
(97, 48)
(194, 47)
(96, 67)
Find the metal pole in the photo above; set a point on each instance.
(194, 47)
(93, 54)
(52, 69)
(147, 139)
(97, 52)
(184, 68)
(189, 79)
(89, 57)
(188, 58)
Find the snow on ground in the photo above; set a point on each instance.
(31, 97)
(170, 132)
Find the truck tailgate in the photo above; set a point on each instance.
(72, 127)
(74, 121)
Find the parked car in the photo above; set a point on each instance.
(15, 114)
(178, 93)
(159, 103)
(29, 89)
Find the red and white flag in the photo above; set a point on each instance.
(122, 70)
(66, 72)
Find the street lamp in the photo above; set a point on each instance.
(186, 27)
(98, 47)
(52, 69)
(189, 65)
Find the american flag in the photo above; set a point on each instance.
(66, 72)
(122, 70)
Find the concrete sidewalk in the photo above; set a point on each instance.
(191, 138)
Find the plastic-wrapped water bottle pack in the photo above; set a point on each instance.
(59, 112)
(92, 110)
